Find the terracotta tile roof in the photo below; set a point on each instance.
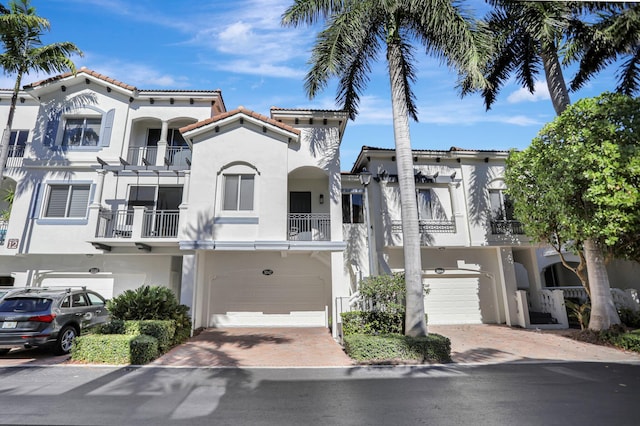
(240, 110)
(82, 70)
(178, 91)
(436, 151)
(274, 108)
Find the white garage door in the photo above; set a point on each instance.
(280, 301)
(453, 300)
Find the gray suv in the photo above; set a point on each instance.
(48, 317)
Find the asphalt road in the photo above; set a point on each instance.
(504, 394)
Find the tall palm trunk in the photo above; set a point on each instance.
(415, 324)
(603, 311)
(6, 135)
(555, 80)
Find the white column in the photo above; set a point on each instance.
(97, 197)
(94, 207)
(184, 205)
(162, 144)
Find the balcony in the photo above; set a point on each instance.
(178, 156)
(154, 224)
(506, 227)
(138, 155)
(309, 227)
(428, 226)
(15, 156)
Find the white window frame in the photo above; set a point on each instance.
(64, 141)
(69, 200)
(242, 177)
(351, 193)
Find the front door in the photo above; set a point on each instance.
(300, 202)
(299, 206)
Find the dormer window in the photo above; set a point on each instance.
(81, 131)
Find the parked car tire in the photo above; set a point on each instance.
(65, 340)
(4, 351)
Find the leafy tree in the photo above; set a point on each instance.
(23, 51)
(578, 185)
(355, 31)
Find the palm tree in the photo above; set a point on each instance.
(20, 32)
(616, 34)
(354, 32)
(528, 36)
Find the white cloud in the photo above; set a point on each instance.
(540, 93)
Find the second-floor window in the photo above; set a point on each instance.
(174, 137)
(81, 131)
(238, 192)
(17, 142)
(501, 205)
(67, 201)
(352, 208)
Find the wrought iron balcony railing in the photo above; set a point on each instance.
(309, 226)
(503, 227)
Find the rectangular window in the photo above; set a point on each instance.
(18, 137)
(352, 208)
(238, 192)
(67, 201)
(425, 204)
(81, 132)
(17, 142)
(501, 205)
(174, 137)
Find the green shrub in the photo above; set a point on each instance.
(383, 293)
(152, 303)
(114, 349)
(163, 331)
(114, 326)
(102, 348)
(144, 349)
(371, 322)
(394, 348)
(629, 341)
(629, 317)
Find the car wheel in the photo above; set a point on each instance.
(4, 351)
(65, 340)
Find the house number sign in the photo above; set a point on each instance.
(12, 243)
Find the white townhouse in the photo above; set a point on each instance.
(477, 263)
(247, 217)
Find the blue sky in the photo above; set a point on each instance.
(239, 47)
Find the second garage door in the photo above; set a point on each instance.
(453, 300)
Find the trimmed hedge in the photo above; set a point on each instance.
(163, 331)
(395, 348)
(373, 322)
(114, 349)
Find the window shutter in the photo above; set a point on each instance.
(79, 201)
(105, 137)
(52, 129)
(57, 205)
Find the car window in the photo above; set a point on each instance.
(25, 304)
(78, 300)
(94, 299)
(66, 303)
